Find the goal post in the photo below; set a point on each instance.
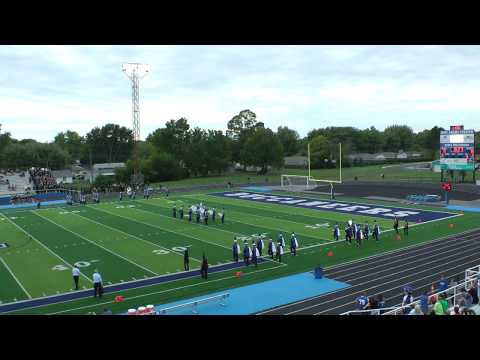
(308, 182)
(299, 183)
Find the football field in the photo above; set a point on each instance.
(134, 240)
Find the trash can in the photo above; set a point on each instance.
(318, 272)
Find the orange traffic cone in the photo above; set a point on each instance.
(451, 226)
(330, 253)
(398, 237)
(238, 274)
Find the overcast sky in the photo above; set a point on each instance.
(48, 89)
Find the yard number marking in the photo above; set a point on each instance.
(317, 226)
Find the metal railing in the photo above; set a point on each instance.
(194, 304)
(369, 311)
(472, 275)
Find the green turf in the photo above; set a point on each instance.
(137, 239)
(392, 172)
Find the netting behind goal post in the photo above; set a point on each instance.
(299, 183)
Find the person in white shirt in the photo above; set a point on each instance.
(97, 284)
(76, 275)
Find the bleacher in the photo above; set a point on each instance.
(455, 295)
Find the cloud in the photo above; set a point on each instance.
(48, 89)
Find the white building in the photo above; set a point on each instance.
(63, 176)
(107, 169)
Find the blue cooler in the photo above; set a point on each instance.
(318, 272)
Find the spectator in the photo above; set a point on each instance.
(432, 299)
(466, 299)
(416, 310)
(407, 299)
(451, 285)
(443, 300)
(455, 310)
(438, 308)
(380, 302)
(473, 293)
(362, 302)
(204, 268)
(97, 284)
(442, 284)
(424, 302)
(372, 305)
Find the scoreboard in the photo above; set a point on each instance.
(457, 149)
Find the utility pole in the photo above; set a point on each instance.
(135, 72)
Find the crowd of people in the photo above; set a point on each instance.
(441, 299)
(42, 179)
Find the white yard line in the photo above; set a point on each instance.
(100, 246)
(259, 225)
(16, 279)
(160, 228)
(134, 236)
(46, 247)
(176, 232)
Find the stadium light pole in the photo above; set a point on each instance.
(135, 72)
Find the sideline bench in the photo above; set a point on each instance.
(194, 304)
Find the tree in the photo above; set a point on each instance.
(398, 137)
(24, 155)
(5, 140)
(161, 167)
(240, 128)
(172, 139)
(110, 143)
(319, 151)
(289, 139)
(368, 140)
(263, 149)
(71, 142)
(429, 141)
(245, 120)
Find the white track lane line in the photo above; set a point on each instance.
(389, 282)
(423, 278)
